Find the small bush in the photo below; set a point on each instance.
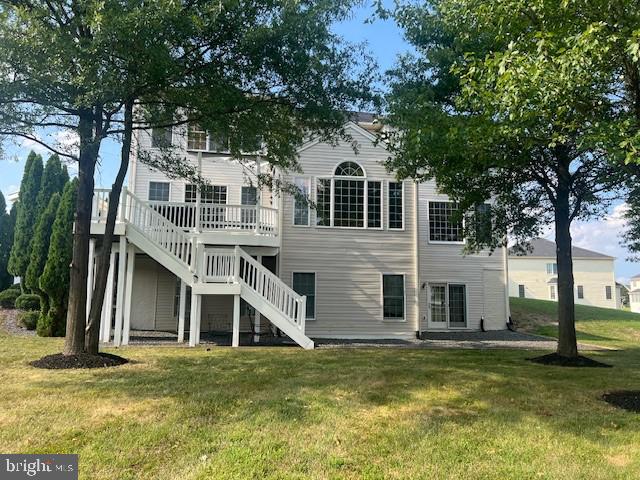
(28, 301)
(29, 319)
(8, 298)
(51, 325)
(15, 286)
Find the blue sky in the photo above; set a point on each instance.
(386, 41)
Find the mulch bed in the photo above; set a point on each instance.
(626, 399)
(59, 361)
(560, 361)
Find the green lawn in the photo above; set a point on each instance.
(179, 413)
(600, 326)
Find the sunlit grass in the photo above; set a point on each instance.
(179, 413)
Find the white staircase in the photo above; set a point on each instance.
(208, 270)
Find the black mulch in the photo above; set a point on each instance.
(626, 399)
(560, 361)
(59, 361)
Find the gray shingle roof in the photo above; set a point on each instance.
(540, 247)
(636, 276)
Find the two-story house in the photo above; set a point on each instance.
(634, 294)
(534, 274)
(374, 258)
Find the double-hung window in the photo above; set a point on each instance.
(305, 284)
(552, 268)
(608, 292)
(208, 194)
(393, 301)
(396, 215)
(161, 137)
(159, 191)
(580, 292)
(196, 137)
(521, 293)
(444, 224)
(301, 208)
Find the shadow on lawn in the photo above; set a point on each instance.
(424, 389)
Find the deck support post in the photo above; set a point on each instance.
(194, 321)
(181, 311)
(122, 252)
(258, 317)
(107, 305)
(128, 290)
(90, 273)
(235, 339)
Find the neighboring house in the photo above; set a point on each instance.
(376, 258)
(622, 295)
(533, 274)
(634, 294)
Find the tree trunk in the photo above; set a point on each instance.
(567, 343)
(102, 260)
(76, 312)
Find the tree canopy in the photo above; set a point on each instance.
(528, 106)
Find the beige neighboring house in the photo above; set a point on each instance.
(534, 275)
(634, 294)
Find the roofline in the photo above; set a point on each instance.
(349, 124)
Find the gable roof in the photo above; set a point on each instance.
(543, 248)
(635, 276)
(348, 126)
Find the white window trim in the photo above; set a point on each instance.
(555, 289)
(524, 290)
(293, 207)
(315, 295)
(203, 203)
(404, 208)
(404, 299)
(159, 181)
(446, 293)
(227, 151)
(578, 292)
(441, 242)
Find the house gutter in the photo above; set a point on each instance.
(416, 256)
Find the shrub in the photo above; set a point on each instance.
(15, 286)
(8, 298)
(28, 301)
(29, 319)
(49, 325)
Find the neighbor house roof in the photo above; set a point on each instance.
(540, 247)
(635, 276)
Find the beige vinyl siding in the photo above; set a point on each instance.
(165, 298)
(143, 305)
(594, 274)
(217, 314)
(446, 263)
(349, 262)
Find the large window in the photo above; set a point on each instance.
(392, 297)
(374, 205)
(301, 204)
(161, 137)
(348, 203)
(395, 206)
(444, 224)
(208, 194)
(159, 191)
(552, 268)
(305, 284)
(448, 305)
(483, 223)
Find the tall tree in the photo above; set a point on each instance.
(245, 68)
(54, 280)
(54, 178)
(521, 106)
(6, 240)
(26, 216)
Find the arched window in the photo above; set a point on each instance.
(349, 169)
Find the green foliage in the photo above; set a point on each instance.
(15, 286)
(6, 240)
(54, 280)
(26, 215)
(8, 298)
(40, 250)
(53, 180)
(28, 301)
(29, 319)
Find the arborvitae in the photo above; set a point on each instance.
(54, 178)
(54, 281)
(26, 218)
(40, 250)
(6, 239)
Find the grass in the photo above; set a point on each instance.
(594, 325)
(278, 413)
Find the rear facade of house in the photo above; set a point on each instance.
(372, 258)
(534, 274)
(634, 294)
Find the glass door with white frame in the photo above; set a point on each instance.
(447, 306)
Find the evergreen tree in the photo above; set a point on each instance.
(26, 219)
(40, 250)
(54, 281)
(53, 180)
(6, 239)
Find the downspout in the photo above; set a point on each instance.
(416, 256)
